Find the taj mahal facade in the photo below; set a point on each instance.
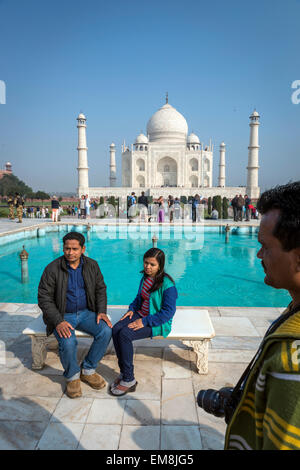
(168, 160)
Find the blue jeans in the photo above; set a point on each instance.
(85, 321)
(122, 338)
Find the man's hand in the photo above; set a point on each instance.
(136, 325)
(103, 316)
(63, 329)
(127, 314)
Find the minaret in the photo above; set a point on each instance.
(252, 177)
(112, 175)
(221, 183)
(83, 169)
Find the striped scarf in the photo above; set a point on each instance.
(147, 284)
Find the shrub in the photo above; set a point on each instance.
(183, 199)
(217, 204)
(225, 208)
(209, 206)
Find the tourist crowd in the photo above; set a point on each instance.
(242, 208)
(161, 209)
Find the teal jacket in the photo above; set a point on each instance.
(162, 307)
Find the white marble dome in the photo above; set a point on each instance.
(81, 116)
(193, 139)
(168, 125)
(141, 139)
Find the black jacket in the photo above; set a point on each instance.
(143, 200)
(52, 291)
(54, 204)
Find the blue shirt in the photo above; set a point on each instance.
(76, 295)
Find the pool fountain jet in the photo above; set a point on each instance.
(24, 265)
(154, 241)
(88, 232)
(227, 232)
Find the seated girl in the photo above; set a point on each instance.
(150, 314)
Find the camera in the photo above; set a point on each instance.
(219, 403)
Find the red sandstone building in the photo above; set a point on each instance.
(6, 171)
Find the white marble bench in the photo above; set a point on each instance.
(190, 325)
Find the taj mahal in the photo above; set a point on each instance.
(168, 160)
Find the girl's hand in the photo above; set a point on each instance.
(136, 325)
(127, 314)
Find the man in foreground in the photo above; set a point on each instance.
(263, 410)
(72, 295)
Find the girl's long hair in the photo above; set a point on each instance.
(160, 258)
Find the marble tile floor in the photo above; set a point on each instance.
(162, 414)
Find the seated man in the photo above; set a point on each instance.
(72, 295)
(263, 410)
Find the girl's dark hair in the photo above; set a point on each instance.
(286, 198)
(75, 236)
(160, 257)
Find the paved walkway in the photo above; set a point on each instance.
(8, 226)
(162, 414)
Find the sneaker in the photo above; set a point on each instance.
(121, 390)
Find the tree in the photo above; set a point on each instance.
(10, 184)
(225, 208)
(217, 204)
(209, 206)
(112, 200)
(41, 195)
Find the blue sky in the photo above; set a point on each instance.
(114, 61)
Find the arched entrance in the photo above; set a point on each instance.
(141, 181)
(194, 181)
(166, 172)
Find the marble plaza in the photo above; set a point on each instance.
(35, 412)
(162, 414)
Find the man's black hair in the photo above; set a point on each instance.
(75, 236)
(286, 198)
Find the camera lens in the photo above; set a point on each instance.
(210, 401)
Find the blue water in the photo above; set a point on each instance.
(211, 273)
